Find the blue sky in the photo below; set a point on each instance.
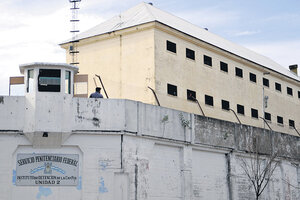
(31, 29)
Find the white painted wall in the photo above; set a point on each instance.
(133, 151)
(151, 169)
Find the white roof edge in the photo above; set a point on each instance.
(144, 13)
(47, 64)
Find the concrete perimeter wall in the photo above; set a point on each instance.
(131, 151)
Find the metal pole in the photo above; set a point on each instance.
(235, 115)
(265, 122)
(154, 95)
(198, 105)
(95, 82)
(263, 98)
(296, 130)
(102, 85)
(263, 104)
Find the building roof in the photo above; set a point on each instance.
(48, 65)
(144, 13)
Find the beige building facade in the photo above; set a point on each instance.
(141, 48)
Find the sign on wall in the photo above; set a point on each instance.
(47, 169)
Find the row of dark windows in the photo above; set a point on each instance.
(209, 100)
(279, 119)
(224, 67)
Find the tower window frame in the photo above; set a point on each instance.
(30, 80)
(49, 80)
(68, 82)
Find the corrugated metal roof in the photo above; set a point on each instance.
(144, 13)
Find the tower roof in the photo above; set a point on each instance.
(145, 13)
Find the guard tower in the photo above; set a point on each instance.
(48, 93)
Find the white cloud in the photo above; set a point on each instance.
(34, 36)
(246, 33)
(284, 52)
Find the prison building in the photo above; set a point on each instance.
(148, 55)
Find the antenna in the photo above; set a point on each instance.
(74, 31)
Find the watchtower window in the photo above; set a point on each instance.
(30, 80)
(49, 80)
(68, 82)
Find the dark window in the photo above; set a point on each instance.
(254, 113)
(207, 60)
(240, 109)
(291, 123)
(68, 82)
(190, 54)
(267, 116)
(49, 80)
(171, 46)
(172, 90)
(252, 77)
(289, 91)
(239, 72)
(299, 94)
(191, 95)
(209, 100)
(278, 86)
(266, 82)
(279, 120)
(224, 66)
(225, 105)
